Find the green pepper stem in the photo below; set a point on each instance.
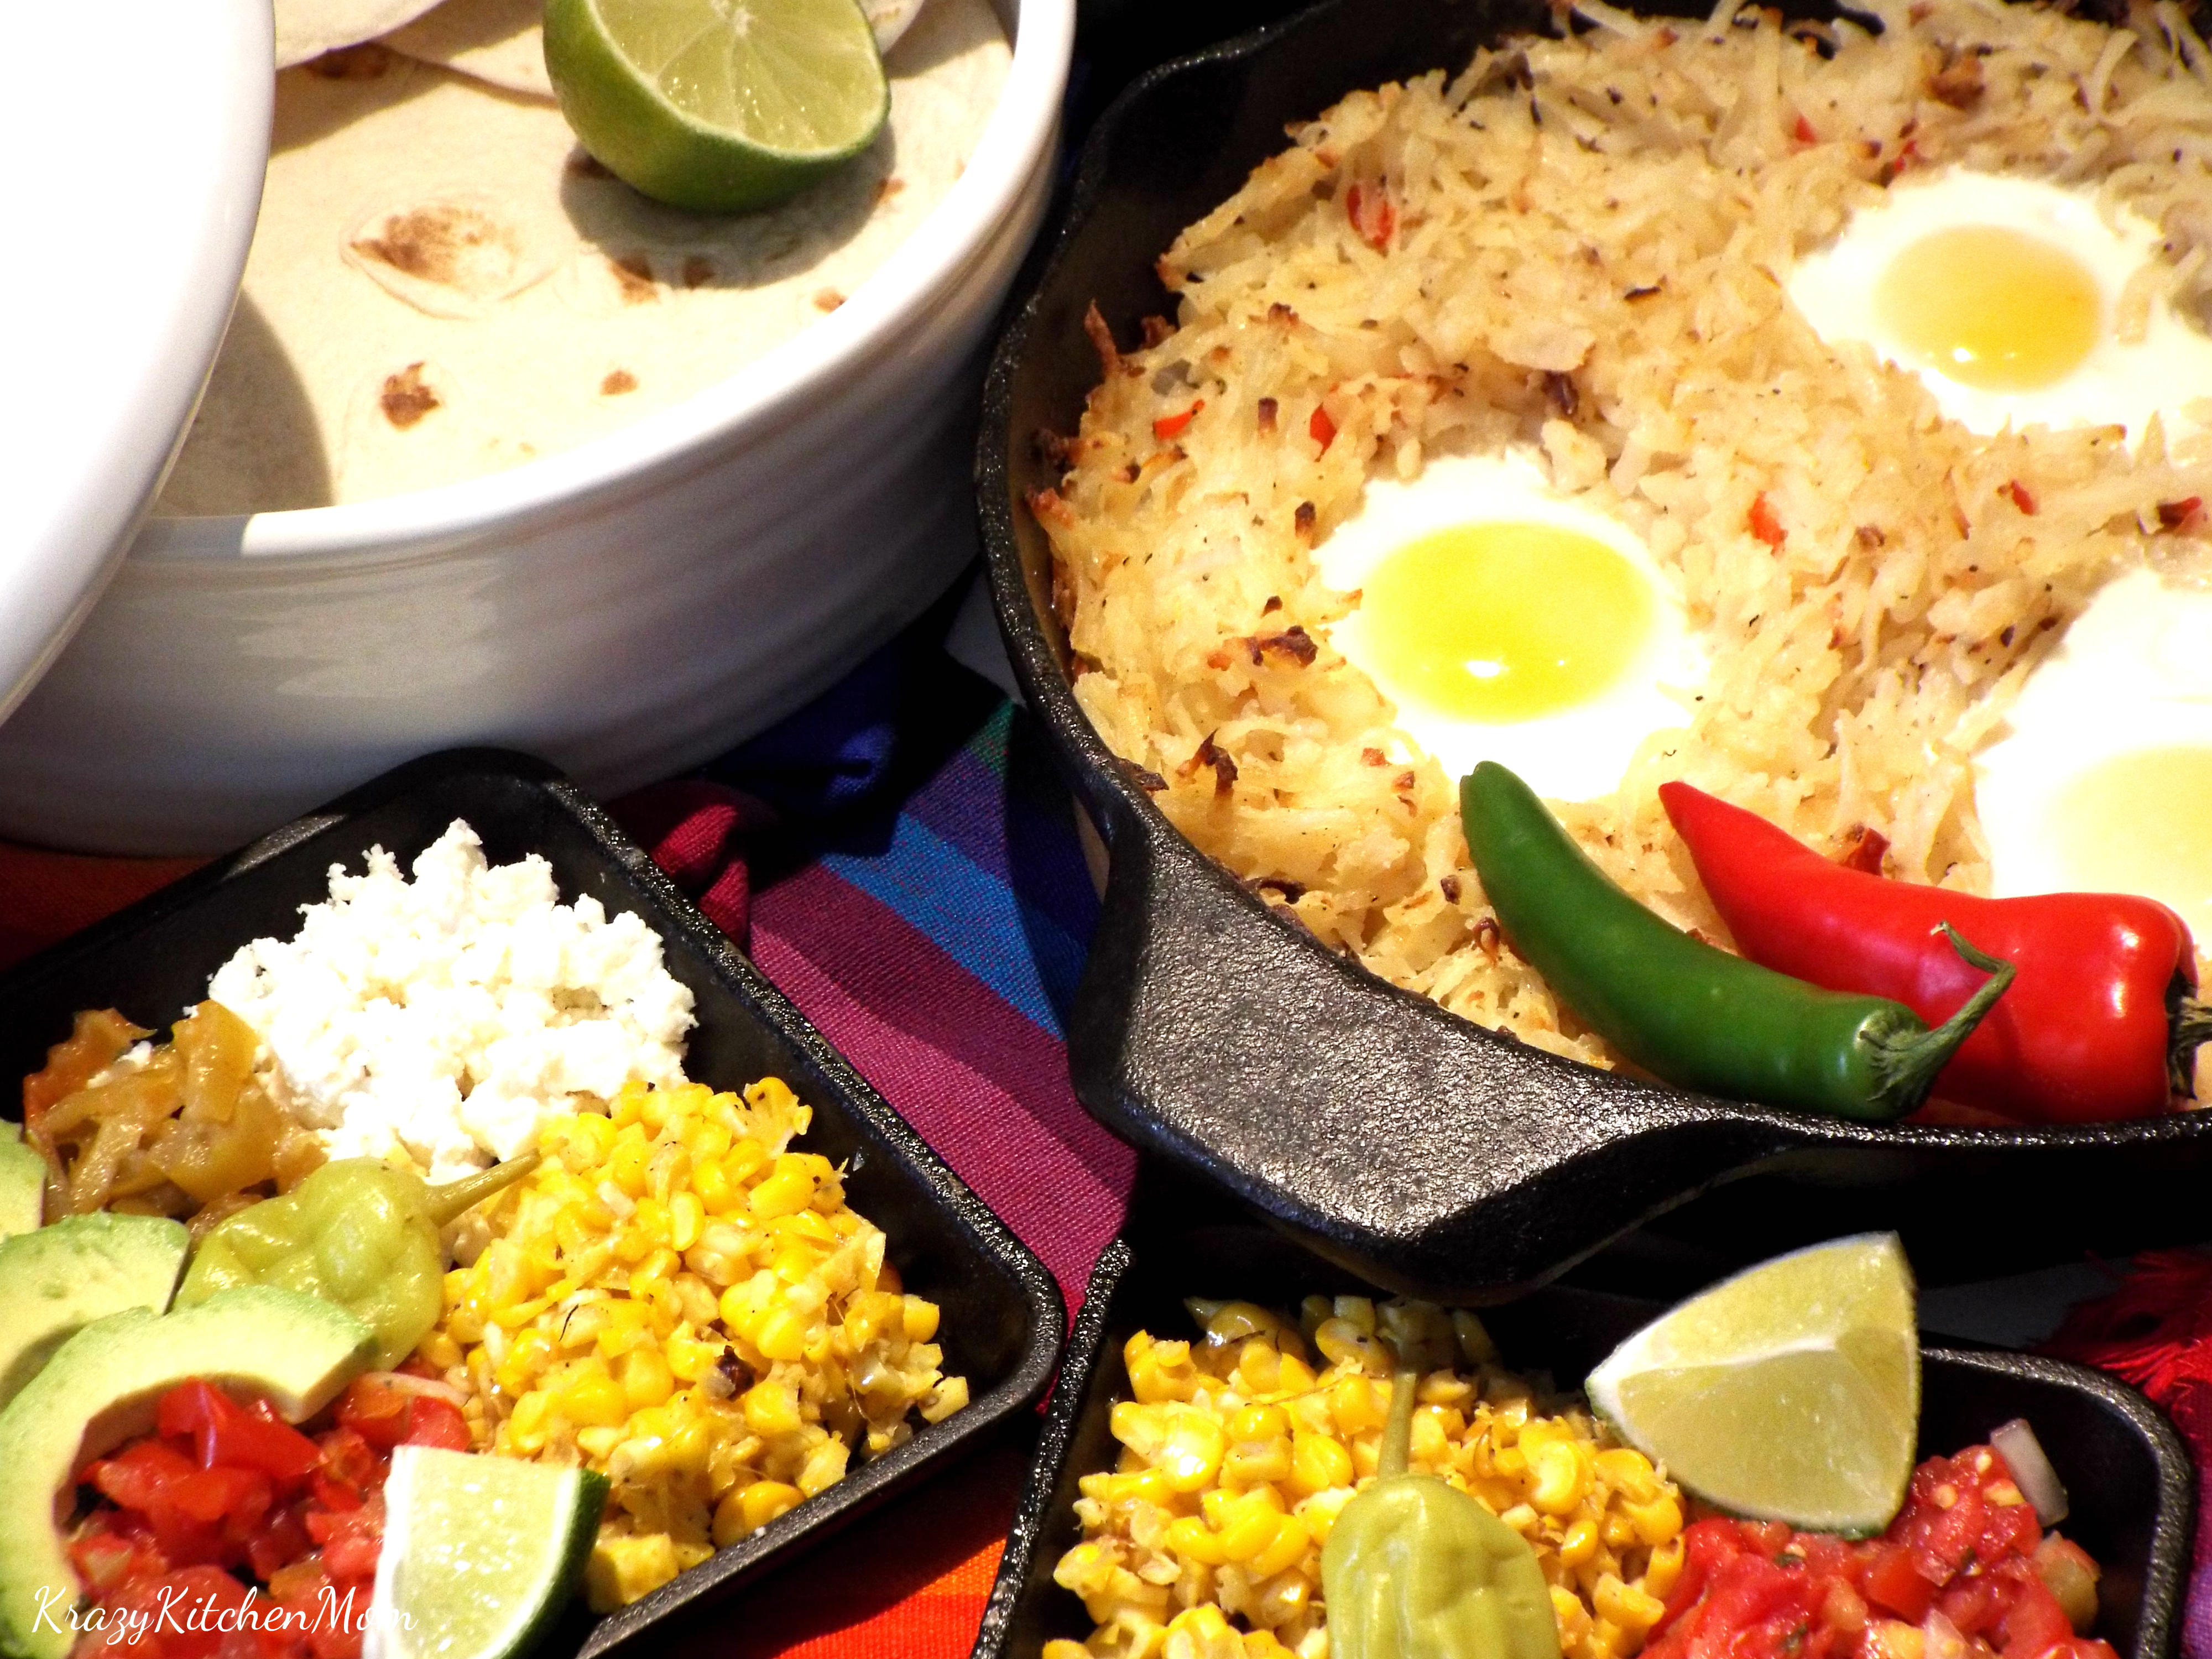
(457, 1198)
(1906, 1063)
(2191, 1024)
(1398, 1428)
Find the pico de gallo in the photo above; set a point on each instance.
(1965, 1571)
(228, 1534)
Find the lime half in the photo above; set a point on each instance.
(1790, 1391)
(721, 106)
(480, 1553)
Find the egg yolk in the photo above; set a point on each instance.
(2142, 823)
(1992, 307)
(1498, 622)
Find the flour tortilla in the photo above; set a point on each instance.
(496, 41)
(499, 42)
(442, 285)
(308, 28)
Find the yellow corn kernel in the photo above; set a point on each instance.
(1579, 1544)
(782, 1334)
(1293, 1375)
(1061, 1648)
(763, 1501)
(1225, 1323)
(1357, 1405)
(623, 1568)
(824, 1467)
(626, 1164)
(1258, 1423)
(1159, 1371)
(1193, 1451)
(531, 1413)
(1131, 1485)
(744, 1303)
(1248, 1526)
(1656, 1522)
(1561, 1479)
(1288, 1548)
(1664, 1568)
(1318, 1462)
(1191, 1537)
(785, 1190)
(920, 1318)
(1627, 1606)
(1630, 1472)
(713, 1189)
(868, 1315)
(440, 1350)
(771, 1408)
(628, 1105)
(794, 1260)
(593, 1399)
(1342, 1342)
(1571, 1616)
(1204, 1623)
(1257, 1462)
(647, 1379)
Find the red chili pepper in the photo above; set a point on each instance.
(1321, 428)
(1763, 523)
(1372, 215)
(1804, 132)
(1168, 426)
(2101, 1023)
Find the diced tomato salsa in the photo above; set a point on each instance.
(228, 1534)
(1964, 1572)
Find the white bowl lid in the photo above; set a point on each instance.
(136, 133)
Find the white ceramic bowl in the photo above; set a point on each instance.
(624, 610)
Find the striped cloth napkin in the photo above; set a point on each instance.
(899, 860)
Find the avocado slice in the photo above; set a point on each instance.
(81, 1268)
(22, 1182)
(101, 1387)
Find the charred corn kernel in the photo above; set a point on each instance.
(1656, 1522)
(1561, 1479)
(1188, 1535)
(1625, 1605)
(1579, 1544)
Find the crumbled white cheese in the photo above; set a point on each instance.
(447, 1018)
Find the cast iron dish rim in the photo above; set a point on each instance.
(870, 1483)
(1131, 825)
(2166, 1571)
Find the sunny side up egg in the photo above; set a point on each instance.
(2003, 295)
(1507, 624)
(2103, 782)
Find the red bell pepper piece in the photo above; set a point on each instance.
(2101, 1023)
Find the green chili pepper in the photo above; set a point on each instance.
(1414, 1569)
(1687, 1010)
(356, 1232)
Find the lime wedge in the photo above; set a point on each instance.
(1790, 1391)
(479, 1553)
(721, 106)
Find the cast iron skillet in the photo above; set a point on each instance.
(1423, 1150)
(2126, 1470)
(1003, 1315)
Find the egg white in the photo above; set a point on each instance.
(2133, 673)
(2120, 383)
(1577, 753)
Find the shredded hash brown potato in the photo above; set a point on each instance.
(1579, 244)
(1239, 1450)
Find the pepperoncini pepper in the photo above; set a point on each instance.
(1414, 1569)
(356, 1232)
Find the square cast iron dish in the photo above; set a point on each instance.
(1003, 1315)
(1423, 1150)
(2127, 1473)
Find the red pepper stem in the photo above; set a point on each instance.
(1908, 1061)
(2190, 1024)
